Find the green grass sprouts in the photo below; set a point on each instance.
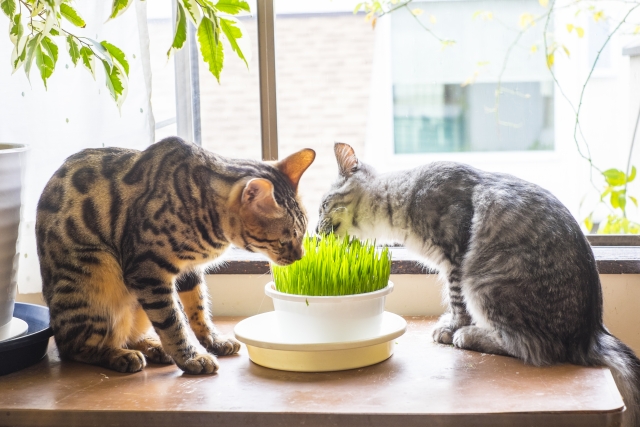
(335, 266)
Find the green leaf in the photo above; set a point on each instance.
(118, 7)
(30, 50)
(605, 193)
(17, 30)
(18, 54)
(51, 48)
(210, 46)
(101, 52)
(71, 15)
(181, 30)
(114, 80)
(634, 200)
(46, 57)
(8, 7)
(232, 7)
(615, 199)
(116, 54)
(209, 11)
(622, 200)
(614, 177)
(233, 33)
(588, 222)
(74, 50)
(633, 174)
(88, 59)
(193, 10)
(54, 32)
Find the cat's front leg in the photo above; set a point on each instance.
(456, 317)
(195, 299)
(154, 289)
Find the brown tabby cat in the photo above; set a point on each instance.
(124, 238)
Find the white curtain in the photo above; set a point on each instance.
(76, 111)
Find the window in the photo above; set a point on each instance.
(469, 96)
(402, 99)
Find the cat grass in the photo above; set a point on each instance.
(334, 266)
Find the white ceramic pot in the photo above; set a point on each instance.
(12, 174)
(310, 319)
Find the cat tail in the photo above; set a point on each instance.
(625, 367)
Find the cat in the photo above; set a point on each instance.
(521, 278)
(124, 238)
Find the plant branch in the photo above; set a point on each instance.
(427, 29)
(633, 141)
(396, 7)
(586, 157)
(593, 66)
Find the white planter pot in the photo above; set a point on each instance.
(12, 173)
(310, 319)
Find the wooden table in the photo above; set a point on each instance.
(421, 384)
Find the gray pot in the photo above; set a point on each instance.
(12, 173)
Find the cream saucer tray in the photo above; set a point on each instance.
(269, 348)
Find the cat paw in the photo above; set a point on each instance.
(221, 346)
(479, 339)
(154, 352)
(461, 339)
(128, 361)
(200, 364)
(443, 334)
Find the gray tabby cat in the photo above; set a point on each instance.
(124, 238)
(520, 275)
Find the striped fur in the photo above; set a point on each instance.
(124, 238)
(521, 278)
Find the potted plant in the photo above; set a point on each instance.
(12, 160)
(336, 292)
(329, 310)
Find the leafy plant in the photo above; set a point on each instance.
(36, 28)
(335, 266)
(615, 198)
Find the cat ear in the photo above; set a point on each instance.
(347, 160)
(258, 193)
(295, 165)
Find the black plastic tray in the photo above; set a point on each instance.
(18, 353)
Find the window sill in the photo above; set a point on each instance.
(402, 391)
(610, 260)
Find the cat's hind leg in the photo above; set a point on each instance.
(91, 317)
(457, 316)
(195, 300)
(479, 339)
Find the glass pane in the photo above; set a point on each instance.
(163, 101)
(230, 110)
(451, 118)
(471, 99)
(324, 63)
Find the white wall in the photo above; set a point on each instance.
(415, 295)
